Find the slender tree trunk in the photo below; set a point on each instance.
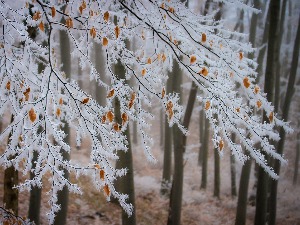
(100, 67)
(167, 167)
(241, 209)
(217, 174)
(63, 195)
(11, 179)
(205, 155)
(285, 114)
(233, 171)
(263, 178)
(296, 167)
(201, 136)
(179, 149)
(125, 184)
(161, 126)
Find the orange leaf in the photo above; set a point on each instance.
(110, 116)
(193, 59)
(91, 13)
(169, 105)
(41, 26)
(241, 55)
(163, 93)
(93, 32)
(246, 82)
(85, 100)
(106, 190)
(60, 101)
(26, 94)
(117, 31)
(97, 166)
(58, 112)
(53, 11)
(124, 118)
(221, 145)
(271, 117)
(69, 22)
(171, 9)
(7, 86)
(32, 115)
(110, 93)
(36, 15)
(259, 104)
(144, 72)
(256, 89)
(102, 174)
(103, 119)
(104, 41)
(149, 61)
(116, 127)
(83, 4)
(237, 110)
(204, 71)
(162, 5)
(106, 16)
(203, 38)
(163, 57)
(170, 114)
(207, 105)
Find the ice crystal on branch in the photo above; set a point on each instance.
(43, 102)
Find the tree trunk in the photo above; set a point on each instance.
(63, 195)
(161, 117)
(285, 114)
(263, 177)
(100, 67)
(167, 167)
(11, 178)
(217, 174)
(201, 136)
(179, 149)
(296, 167)
(241, 209)
(125, 184)
(205, 155)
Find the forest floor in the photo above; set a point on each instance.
(199, 206)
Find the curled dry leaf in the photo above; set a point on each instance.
(93, 32)
(238, 110)
(271, 117)
(207, 105)
(7, 86)
(143, 72)
(241, 55)
(203, 37)
(37, 15)
(85, 100)
(69, 23)
(111, 93)
(110, 116)
(246, 82)
(103, 119)
(106, 190)
(163, 92)
(149, 61)
(26, 94)
(106, 16)
(256, 89)
(58, 112)
(104, 41)
(60, 101)
(171, 9)
(102, 174)
(116, 127)
(97, 166)
(117, 31)
(193, 59)
(32, 115)
(163, 57)
(259, 104)
(53, 11)
(221, 145)
(41, 26)
(124, 118)
(204, 71)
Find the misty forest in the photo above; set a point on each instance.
(153, 112)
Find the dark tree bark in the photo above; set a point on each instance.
(11, 179)
(296, 167)
(241, 209)
(201, 136)
(233, 171)
(205, 155)
(125, 184)
(63, 195)
(217, 180)
(167, 167)
(179, 149)
(263, 178)
(285, 114)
